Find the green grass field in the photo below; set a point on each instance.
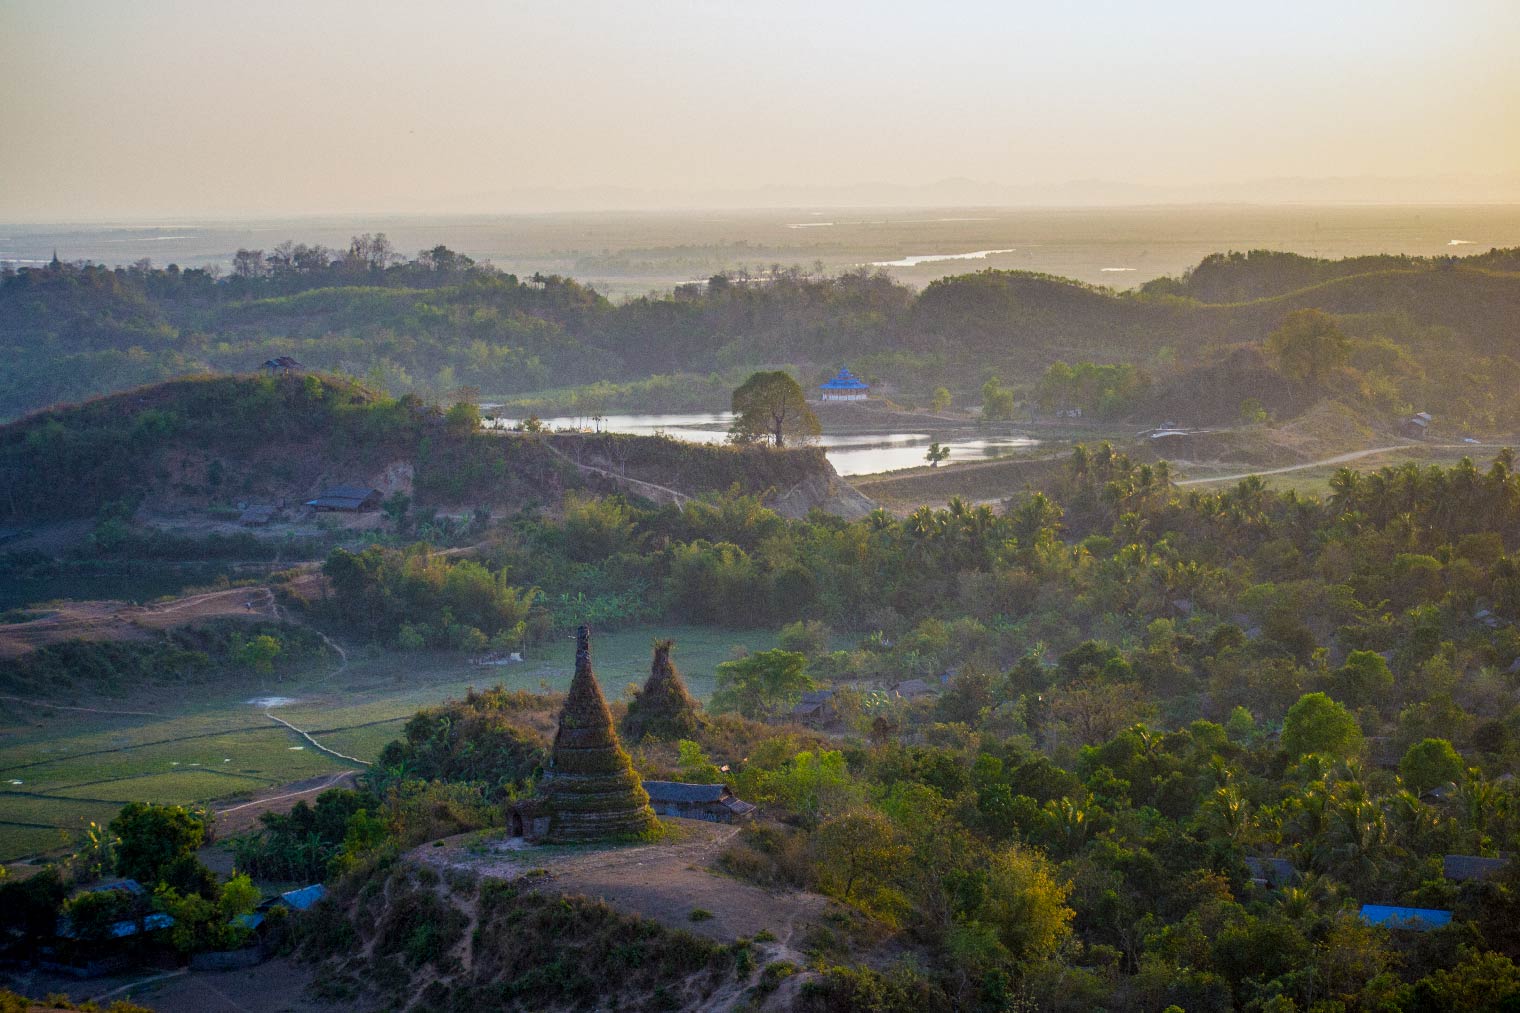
(60, 770)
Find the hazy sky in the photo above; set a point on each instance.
(164, 108)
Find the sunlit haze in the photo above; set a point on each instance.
(188, 108)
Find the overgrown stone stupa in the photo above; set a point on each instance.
(663, 709)
(590, 790)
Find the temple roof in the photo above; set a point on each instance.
(845, 380)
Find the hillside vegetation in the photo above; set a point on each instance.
(207, 444)
(441, 322)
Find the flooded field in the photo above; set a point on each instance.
(849, 453)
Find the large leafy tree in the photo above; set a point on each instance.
(153, 838)
(1308, 345)
(1317, 724)
(762, 684)
(1431, 763)
(771, 406)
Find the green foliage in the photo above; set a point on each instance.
(479, 740)
(153, 837)
(763, 684)
(12, 1002)
(771, 406)
(1431, 763)
(257, 653)
(1364, 680)
(808, 637)
(202, 923)
(187, 655)
(997, 400)
(420, 597)
(1308, 345)
(301, 845)
(1102, 390)
(1317, 724)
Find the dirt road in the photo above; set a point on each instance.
(1326, 462)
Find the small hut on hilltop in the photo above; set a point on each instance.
(589, 791)
(663, 709)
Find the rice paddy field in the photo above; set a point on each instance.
(65, 766)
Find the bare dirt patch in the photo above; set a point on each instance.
(116, 620)
(664, 882)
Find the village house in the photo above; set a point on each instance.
(282, 364)
(1417, 426)
(347, 499)
(913, 689)
(715, 803)
(1465, 868)
(815, 708)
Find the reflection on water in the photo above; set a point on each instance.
(850, 454)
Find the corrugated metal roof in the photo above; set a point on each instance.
(131, 886)
(679, 791)
(1415, 919)
(1465, 867)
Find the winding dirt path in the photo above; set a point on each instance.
(1338, 459)
(661, 493)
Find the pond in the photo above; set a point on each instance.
(850, 454)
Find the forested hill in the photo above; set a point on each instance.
(441, 322)
(1262, 274)
(200, 447)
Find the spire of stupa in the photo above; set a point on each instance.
(591, 790)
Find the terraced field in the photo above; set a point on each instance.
(62, 768)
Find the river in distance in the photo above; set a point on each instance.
(633, 253)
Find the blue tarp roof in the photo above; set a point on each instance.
(305, 897)
(1417, 918)
(846, 380)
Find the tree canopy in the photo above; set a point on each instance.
(771, 406)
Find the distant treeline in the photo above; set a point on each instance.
(441, 321)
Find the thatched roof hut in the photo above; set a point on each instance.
(664, 709)
(590, 788)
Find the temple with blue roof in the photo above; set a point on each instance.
(846, 386)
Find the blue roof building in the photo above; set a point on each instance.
(845, 386)
(1414, 919)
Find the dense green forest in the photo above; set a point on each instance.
(1174, 742)
(441, 322)
(1142, 693)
